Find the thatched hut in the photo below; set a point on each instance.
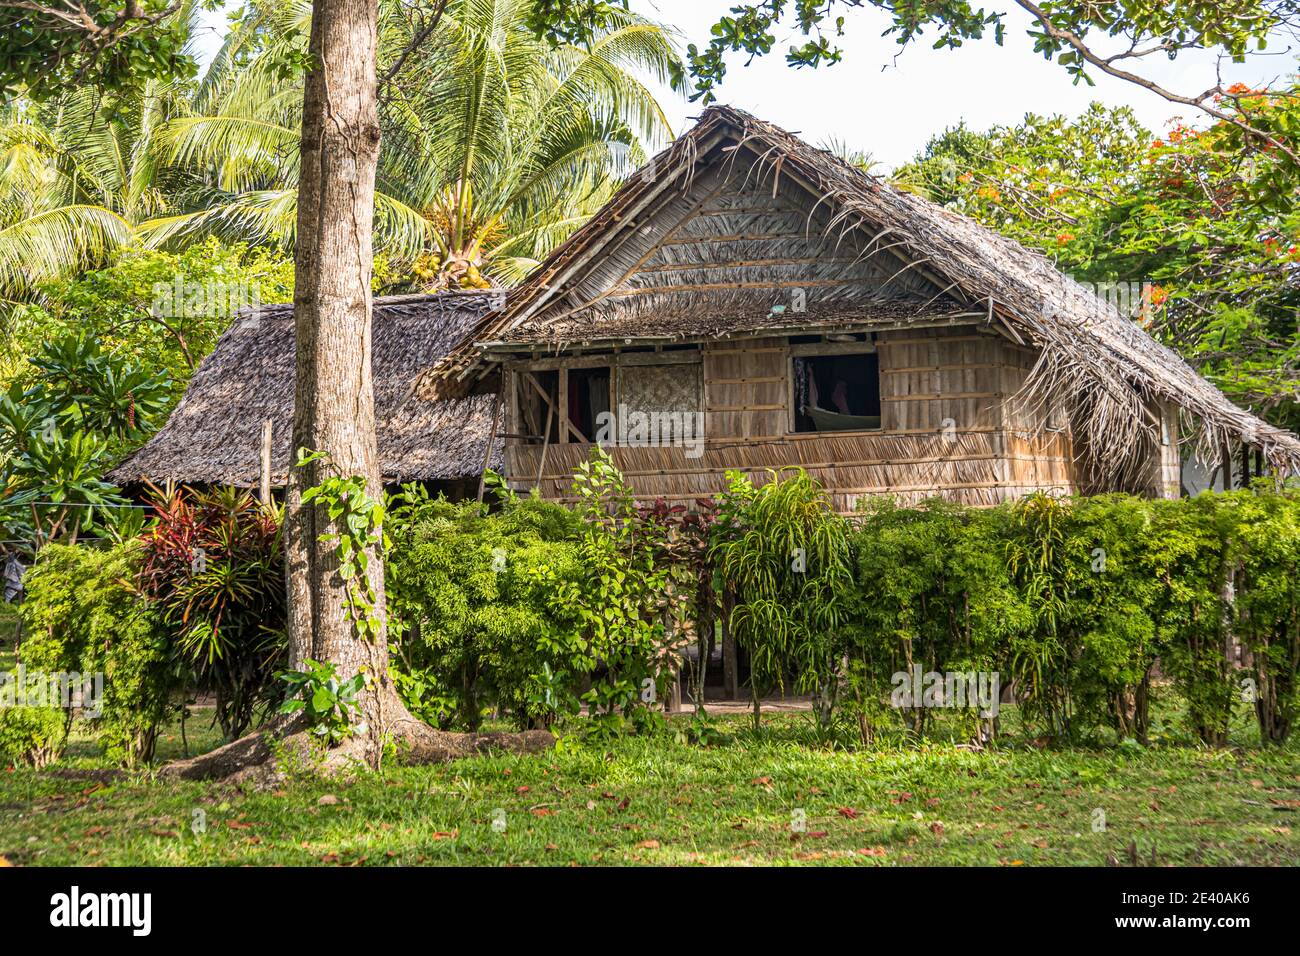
(747, 301)
(214, 436)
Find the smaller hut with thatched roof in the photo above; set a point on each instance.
(215, 435)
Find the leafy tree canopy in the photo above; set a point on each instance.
(1201, 233)
(46, 47)
(1116, 39)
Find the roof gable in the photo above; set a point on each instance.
(734, 238)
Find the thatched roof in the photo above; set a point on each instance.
(647, 265)
(215, 433)
(710, 320)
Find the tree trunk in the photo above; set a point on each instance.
(334, 406)
(334, 413)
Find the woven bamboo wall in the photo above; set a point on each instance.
(747, 389)
(947, 429)
(1039, 452)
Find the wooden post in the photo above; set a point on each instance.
(561, 399)
(730, 668)
(264, 486)
(546, 443)
(492, 437)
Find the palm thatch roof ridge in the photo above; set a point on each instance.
(1094, 362)
(214, 435)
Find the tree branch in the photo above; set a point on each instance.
(1197, 102)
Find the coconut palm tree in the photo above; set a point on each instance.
(75, 178)
(504, 144)
(496, 145)
(77, 175)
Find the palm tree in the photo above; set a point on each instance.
(496, 145)
(73, 182)
(77, 176)
(504, 144)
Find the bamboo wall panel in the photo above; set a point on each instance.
(746, 388)
(948, 429)
(942, 378)
(962, 467)
(658, 388)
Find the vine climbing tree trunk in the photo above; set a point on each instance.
(334, 413)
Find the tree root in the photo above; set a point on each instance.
(418, 743)
(263, 757)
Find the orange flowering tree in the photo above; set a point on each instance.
(1195, 230)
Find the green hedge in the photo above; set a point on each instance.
(474, 622)
(529, 610)
(82, 615)
(1083, 608)
(1077, 604)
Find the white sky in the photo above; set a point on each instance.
(890, 105)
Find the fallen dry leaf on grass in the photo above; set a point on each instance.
(648, 845)
(871, 851)
(848, 813)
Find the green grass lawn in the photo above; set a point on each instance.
(772, 798)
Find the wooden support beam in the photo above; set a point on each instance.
(546, 443)
(264, 484)
(487, 452)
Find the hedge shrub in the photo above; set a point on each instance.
(82, 615)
